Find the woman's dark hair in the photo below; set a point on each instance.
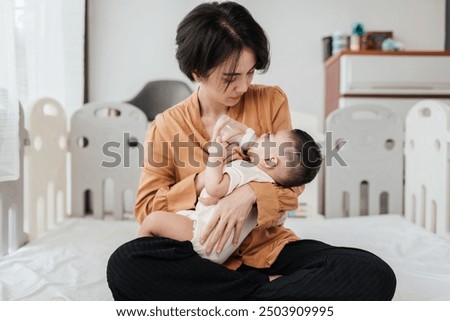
(213, 32)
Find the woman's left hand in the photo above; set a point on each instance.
(231, 212)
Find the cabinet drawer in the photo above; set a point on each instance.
(395, 75)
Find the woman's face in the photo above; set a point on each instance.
(214, 87)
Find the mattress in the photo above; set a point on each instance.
(69, 261)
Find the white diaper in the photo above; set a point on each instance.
(200, 222)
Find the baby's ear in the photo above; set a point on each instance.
(271, 162)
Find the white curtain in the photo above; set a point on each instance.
(41, 55)
(9, 105)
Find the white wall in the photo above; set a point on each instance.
(133, 41)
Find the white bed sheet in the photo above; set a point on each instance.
(420, 259)
(69, 262)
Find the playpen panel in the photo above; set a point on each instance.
(427, 174)
(106, 146)
(11, 203)
(310, 201)
(364, 174)
(47, 156)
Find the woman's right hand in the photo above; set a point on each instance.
(233, 132)
(229, 217)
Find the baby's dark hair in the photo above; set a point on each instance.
(304, 160)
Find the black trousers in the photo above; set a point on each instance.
(153, 268)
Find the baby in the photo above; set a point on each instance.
(289, 158)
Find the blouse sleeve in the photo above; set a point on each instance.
(158, 189)
(273, 200)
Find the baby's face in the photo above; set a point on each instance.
(270, 145)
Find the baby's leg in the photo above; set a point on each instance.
(167, 224)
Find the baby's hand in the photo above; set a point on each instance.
(234, 152)
(217, 149)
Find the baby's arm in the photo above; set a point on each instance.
(167, 224)
(216, 182)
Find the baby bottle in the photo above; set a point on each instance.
(243, 139)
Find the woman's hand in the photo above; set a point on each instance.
(229, 129)
(231, 212)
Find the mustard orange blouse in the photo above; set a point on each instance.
(175, 151)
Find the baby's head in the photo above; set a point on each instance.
(290, 157)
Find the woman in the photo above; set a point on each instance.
(220, 46)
